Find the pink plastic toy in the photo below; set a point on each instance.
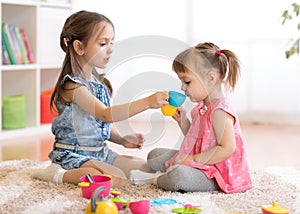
(120, 203)
(140, 207)
(88, 187)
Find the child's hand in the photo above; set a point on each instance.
(134, 141)
(182, 120)
(179, 115)
(158, 99)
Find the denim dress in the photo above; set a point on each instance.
(79, 136)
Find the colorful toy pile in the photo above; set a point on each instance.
(97, 188)
(104, 201)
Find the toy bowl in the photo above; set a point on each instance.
(88, 188)
(273, 209)
(168, 110)
(140, 207)
(176, 99)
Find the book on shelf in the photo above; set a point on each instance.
(7, 44)
(5, 56)
(25, 39)
(11, 43)
(17, 45)
(21, 44)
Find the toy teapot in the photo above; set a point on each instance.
(101, 205)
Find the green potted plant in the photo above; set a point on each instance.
(292, 13)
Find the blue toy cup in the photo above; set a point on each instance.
(176, 99)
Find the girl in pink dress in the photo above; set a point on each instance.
(212, 155)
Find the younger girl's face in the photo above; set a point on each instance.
(193, 86)
(99, 48)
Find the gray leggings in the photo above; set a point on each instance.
(180, 178)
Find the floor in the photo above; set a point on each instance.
(268, 145)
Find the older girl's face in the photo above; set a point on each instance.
(193, 86)
(99, 48)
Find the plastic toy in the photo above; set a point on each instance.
(120, 203)
(176, 99)
(140, 207)
(90, 183)
(273, 209)
(90, 178)
(101, 205)
(187, 209)
(162, 201)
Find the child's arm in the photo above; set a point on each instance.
(128, 141)
(224, 130)
(89, 103)
(182, 120)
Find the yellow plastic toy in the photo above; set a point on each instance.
(168, 110)
(101, 205)
(274, 209)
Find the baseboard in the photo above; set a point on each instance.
(270, 118)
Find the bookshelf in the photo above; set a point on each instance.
(42, 20)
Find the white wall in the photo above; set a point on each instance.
(268, 90)
(134, 17)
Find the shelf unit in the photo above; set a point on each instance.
(43, 22)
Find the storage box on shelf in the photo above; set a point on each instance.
(13, 112)
(47, 114)
(43, 22)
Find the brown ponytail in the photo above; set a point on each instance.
(233, 69)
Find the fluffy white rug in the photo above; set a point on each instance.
(19, 193)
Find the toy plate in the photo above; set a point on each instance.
(183, 210)
(161, 201)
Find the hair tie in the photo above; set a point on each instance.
(218, 51)
(66, 40)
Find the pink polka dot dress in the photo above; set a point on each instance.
(232, 174)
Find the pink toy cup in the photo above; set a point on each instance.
(140, 207)
(88, 188)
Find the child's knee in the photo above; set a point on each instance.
(153, 153)
(153, 160)
(157, 157)
(179, 170)
(90, 170)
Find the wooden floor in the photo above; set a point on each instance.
(268, 145)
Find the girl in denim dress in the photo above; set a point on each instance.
(82, 99)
